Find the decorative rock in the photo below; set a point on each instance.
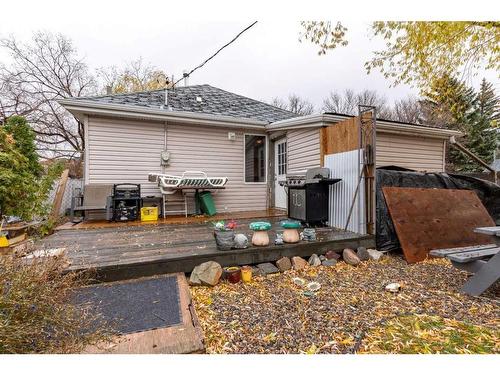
(330, 254)
(362, 253)
(240, 241)
(298, 281)
(279, 239)
(375, 254)
(329, 262)
(267, 268)
(284, 264)
(314, 260)
(207, 273)
(257, 272)
(298, 263)
(313, 286)
(393, 287)
(350, 257)
(309, 234)
(322, 258)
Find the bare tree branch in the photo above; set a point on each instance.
(40, 72)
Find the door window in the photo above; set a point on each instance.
(281, 158)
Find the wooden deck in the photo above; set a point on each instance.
(131, 251)
(176, 219)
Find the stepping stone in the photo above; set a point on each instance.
(268, 268)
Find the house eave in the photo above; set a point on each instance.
(80, 108)
(320, 120)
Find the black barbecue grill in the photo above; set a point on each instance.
(308, 195)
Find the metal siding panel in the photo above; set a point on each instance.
(345, 165)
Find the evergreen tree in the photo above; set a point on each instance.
(450, 103)
(24, 186)
(483, 137)
(24, 138)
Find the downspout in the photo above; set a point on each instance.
(473, 156)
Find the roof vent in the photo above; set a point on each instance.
(166, 105)
(199, 99)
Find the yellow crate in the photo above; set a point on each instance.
(149, 213)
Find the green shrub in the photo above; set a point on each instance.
(24, 186)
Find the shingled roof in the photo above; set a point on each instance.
(214, 101)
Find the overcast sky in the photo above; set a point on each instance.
(267, 61)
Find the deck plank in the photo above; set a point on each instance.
(135, 251)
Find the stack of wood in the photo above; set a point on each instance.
(14, 238)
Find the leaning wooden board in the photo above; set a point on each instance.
(427, 219)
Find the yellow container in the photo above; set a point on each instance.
(246, 274)
(4, 242)
(149, 213)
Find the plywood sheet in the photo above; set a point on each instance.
(340, 137)
(427, 219)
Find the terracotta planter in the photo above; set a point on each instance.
(291, 235)
(233, 274)
(260, 238)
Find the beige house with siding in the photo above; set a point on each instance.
(207, 129)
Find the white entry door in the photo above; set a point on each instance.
(280, 167)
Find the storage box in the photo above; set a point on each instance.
(149, 213)
(4, 242)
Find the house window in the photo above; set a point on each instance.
(255, 158)
(282, 158)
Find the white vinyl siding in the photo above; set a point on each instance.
(303, 149)
(208, 149)
(407, 151)
(124, 151)
(418, 153)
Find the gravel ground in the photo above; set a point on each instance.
(272, 315)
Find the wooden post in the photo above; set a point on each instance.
(58, 197)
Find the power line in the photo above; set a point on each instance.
(185, 75)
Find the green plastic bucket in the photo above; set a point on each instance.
(207, 203)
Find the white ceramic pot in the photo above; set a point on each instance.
(260, 238)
